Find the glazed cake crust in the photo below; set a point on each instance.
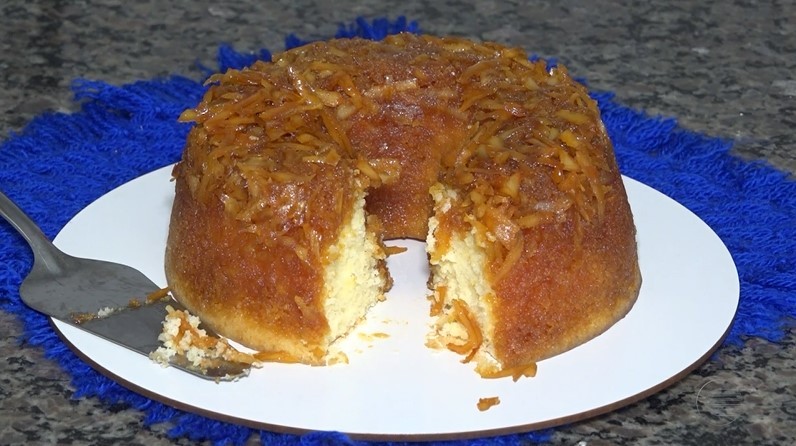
(279, 151)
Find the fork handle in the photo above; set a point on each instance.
(44, 251)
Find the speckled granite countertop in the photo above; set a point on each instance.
(721, 68)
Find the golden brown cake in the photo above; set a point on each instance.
(297, 169)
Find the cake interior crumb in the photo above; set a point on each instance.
(181, 336)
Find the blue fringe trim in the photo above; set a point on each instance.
(61, 163)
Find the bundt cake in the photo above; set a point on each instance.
(297, 169)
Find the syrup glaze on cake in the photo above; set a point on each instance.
(297, 169)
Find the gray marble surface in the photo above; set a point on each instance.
(726, 69)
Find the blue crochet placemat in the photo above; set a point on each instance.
(62, 162)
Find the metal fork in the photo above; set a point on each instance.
(69, 288)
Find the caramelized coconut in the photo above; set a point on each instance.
(265, 133)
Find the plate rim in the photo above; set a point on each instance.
(467, 435)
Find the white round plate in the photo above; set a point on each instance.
(393, 386)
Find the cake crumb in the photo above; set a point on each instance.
(337, 358)
(485, 404)
(373, 336)
(181, 336)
